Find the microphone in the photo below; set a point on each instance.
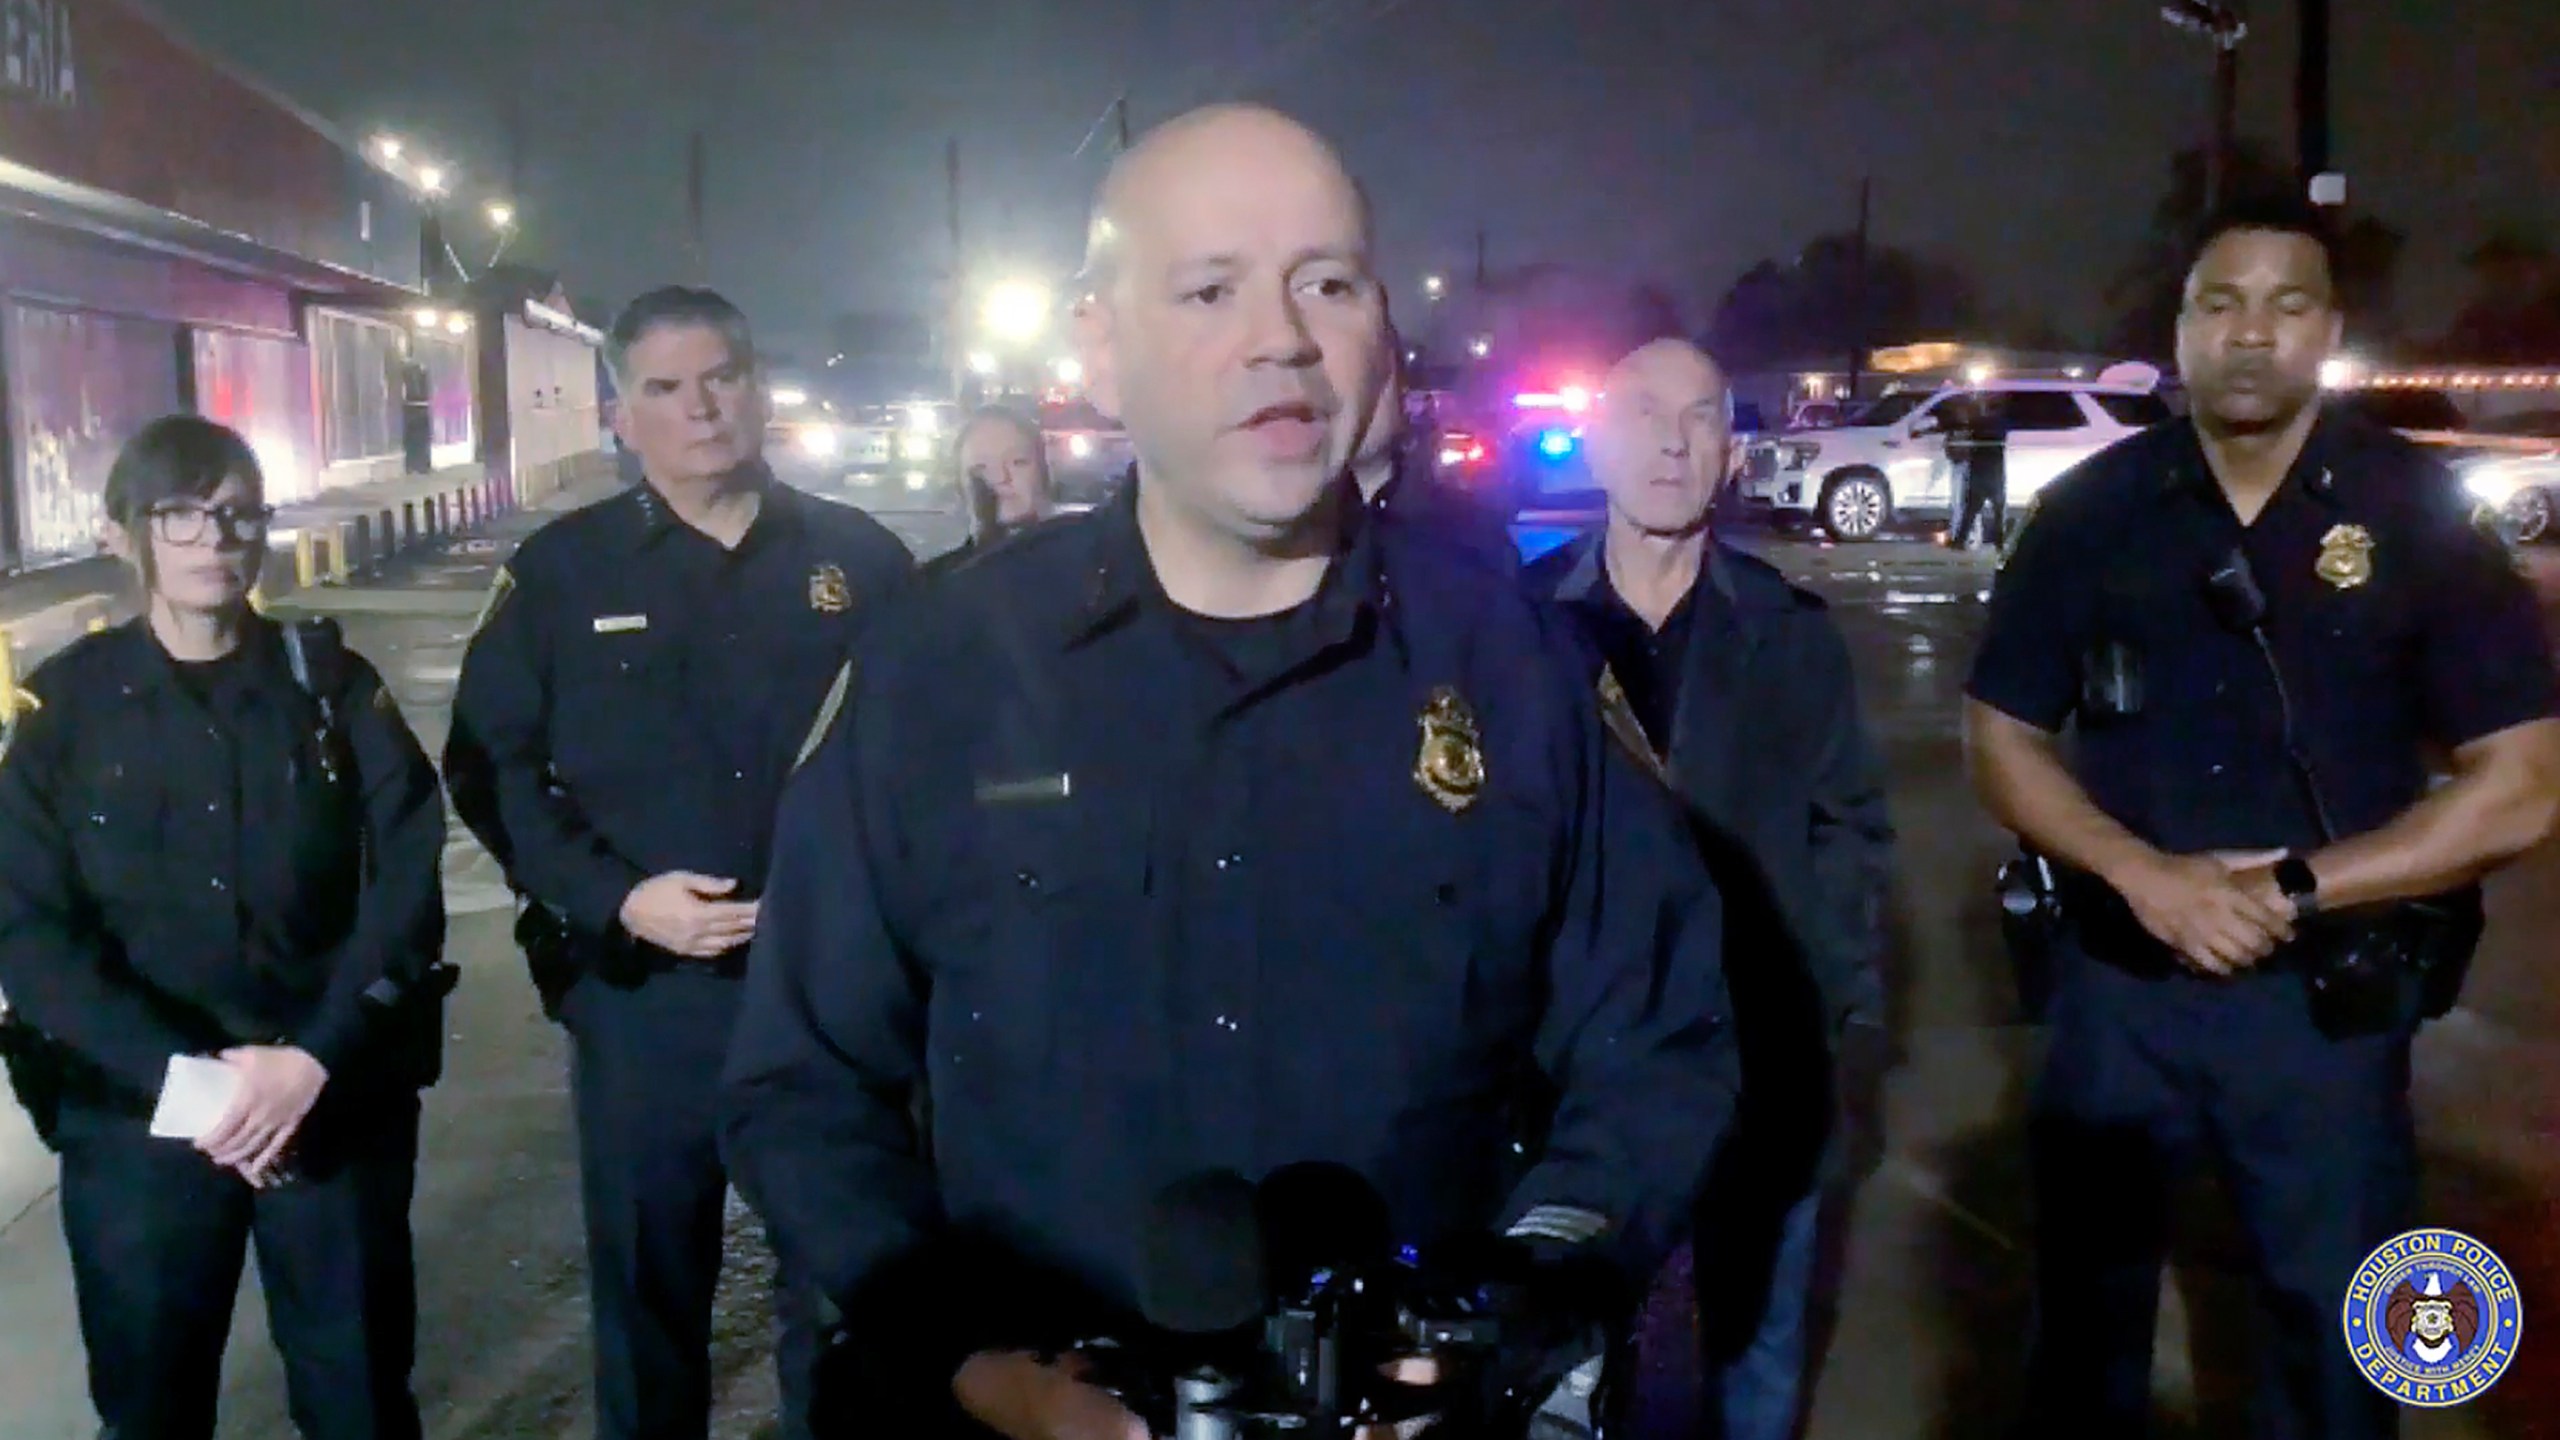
(1201, 1288)
(1201, 1267)
(1321, 1219)
(2231, 592)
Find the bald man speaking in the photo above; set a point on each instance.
(1736, 685)
(1225, 827)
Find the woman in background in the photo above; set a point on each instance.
(219, 876)
(1002, 468)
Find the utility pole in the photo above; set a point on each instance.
(515, 147)
(696, 187)
(2226, 121)
(1481, 269)
(1120, 119)
(2219, 22)
(1858, 292)
(952, 330)
(2311, 101)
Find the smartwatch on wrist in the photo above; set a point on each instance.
(2293, 876)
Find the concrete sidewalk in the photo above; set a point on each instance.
(338, 538)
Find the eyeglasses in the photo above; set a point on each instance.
(190, 524)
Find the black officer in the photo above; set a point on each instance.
(2200, 600)
(219, 855)
(1737, 685)
(641, 687)
(1226, 827)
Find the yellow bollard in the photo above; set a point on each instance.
(8, 677)
(306, 560)
(339, 545)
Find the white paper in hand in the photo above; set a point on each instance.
(194, 1098)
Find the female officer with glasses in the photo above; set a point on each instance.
(219, 854)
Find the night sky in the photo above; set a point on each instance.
(2026, 139)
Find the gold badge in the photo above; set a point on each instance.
(828, 594)
(2346, 556)
(1450, 768)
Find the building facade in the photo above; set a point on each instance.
(173, 236)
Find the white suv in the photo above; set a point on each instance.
(1889, 461)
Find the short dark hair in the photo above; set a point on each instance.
(671, 306)
(2276, 212)
(178, 457)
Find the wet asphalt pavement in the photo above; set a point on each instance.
(1931, 1314)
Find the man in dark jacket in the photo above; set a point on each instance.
(1225, 828)
(1698, 639)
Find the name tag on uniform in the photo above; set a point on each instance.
(620, 624)
(1029, 790)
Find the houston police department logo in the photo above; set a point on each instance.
(2432, 1318)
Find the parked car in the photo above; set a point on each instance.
(1888, 464)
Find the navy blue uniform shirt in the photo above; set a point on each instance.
(1121, 894)
(637, 692)
(183, 863)
(2398, 625)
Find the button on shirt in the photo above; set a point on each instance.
(2396, 624)
(633, 704)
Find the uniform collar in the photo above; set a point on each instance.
(139, 665)
(1588, 574)
(1120, 577)
(777, 509)
(2313, 472)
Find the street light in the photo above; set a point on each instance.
(1016, 311)
(431, 179)
(426, 316)
(981, 363)
(1070, 371)
(457, 323)
(502, 215)
(1480, 347)
(2219, 23)
(1435, 286)
(388, 147)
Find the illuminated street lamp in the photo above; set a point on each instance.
(1016, 312)
(457, 323)
(502, 215)
(1435, 286)
(431, 180)
(1070, 371)
(981, 363)
(1480, 347)
(426, 316)
(388, 147)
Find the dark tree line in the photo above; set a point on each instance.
(1809, 307)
